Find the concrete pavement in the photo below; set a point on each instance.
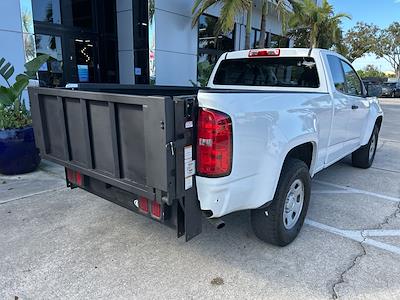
(58, 243)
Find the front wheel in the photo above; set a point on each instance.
(280, 222)
(364, 157)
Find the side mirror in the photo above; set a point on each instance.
(374, 90)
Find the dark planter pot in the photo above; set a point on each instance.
(18, 152)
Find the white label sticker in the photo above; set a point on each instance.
(188, 182)
(189, 124)
(190, 168)
(188, 153)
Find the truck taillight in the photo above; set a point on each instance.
(214, 143)
(75, 177)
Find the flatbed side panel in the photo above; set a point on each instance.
(120, 139)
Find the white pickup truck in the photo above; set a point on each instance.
(268, 121)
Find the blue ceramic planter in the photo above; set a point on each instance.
(18, 152)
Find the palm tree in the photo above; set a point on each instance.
(229, 10)
(282, 10)
(317, 22)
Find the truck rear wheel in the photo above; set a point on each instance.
(280, 222)
(364, 157)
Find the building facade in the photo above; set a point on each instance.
(123, 41)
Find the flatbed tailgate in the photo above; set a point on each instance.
(119, 139)
(132, 143)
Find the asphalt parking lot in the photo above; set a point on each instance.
(57, 243)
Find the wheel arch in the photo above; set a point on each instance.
(304, 150)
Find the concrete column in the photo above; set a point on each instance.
(125, 42)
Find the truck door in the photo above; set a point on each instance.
(342, 110)
(359, 105)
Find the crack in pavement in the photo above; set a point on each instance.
(390, 217)
(363, 251)
(358, 257)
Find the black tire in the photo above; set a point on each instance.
(268, 223)
(361, 158)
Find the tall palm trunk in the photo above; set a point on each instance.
(314, 36)
(263, 36)
(247, 44)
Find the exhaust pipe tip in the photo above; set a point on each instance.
(217, 223)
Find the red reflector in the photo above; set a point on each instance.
(75, 177)
(214, 143)
(144, 205)
(71, 176)
(264, 52)
(79, 178)
(156, 209)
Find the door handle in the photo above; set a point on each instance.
(354, 107)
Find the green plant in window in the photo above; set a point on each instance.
(13, 112)
(204, 69)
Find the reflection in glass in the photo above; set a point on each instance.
(28, 30)
(78, 13)
(207, 37)
(51, 73)
(211, 47)
(29, 46)
(278, 41)
(152, 43)
(205, 65)
(47, 11)
(26, 16)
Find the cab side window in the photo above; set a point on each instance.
(353, 82)
(337, 73)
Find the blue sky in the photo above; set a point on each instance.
(381, 13)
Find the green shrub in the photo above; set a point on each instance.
(13, 112)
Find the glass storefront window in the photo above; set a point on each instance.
(208, 39)
(51, 73)
(47, 11)
(85, 65)
(255, 38)
(278, 41)
(78, 13)
(205, 65)
(211, 47)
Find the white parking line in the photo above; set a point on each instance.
(358, 236)
(346, 189)
(33, 194)
(381, 232)
(332, 192)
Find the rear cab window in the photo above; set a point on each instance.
(299, 72)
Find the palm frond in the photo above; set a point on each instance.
(199, 8)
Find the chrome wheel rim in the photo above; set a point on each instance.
(293, 204)
(372, 147)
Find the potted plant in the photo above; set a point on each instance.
(18, 152)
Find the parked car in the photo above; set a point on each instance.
(391, 89)
(269, 120)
